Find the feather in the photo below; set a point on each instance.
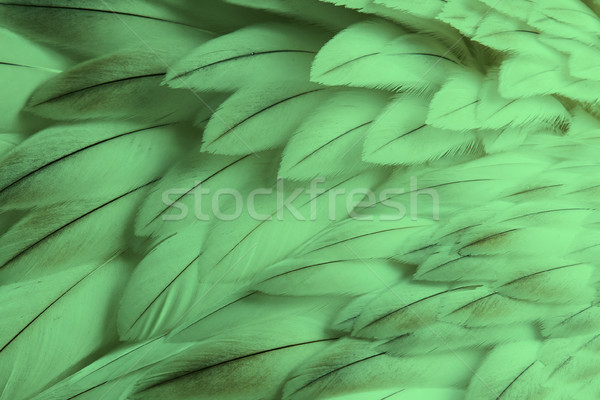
(403, 394)
(299, 277)
(260, 54)
(229, 372)
(464, 15)
(24, 65)
(503, 33)
(372, 60)
(109, 26)
(443, 337)
(581, 319)
(496, 112)
(510, 371)
(66, 236)
(454, 106)
(255, 314)
(568, 360)
(186, 193)
(308, 199)
(583, 60)
(481, 106)
(260, 118)
(360, 5)
(400, 135)
(9, 141)
(405, 14)
(526, 75)
(114, 86)
(360, 238)
(565, 18)
(427, 9)
(114, 373)
(516, 8)
(289, 214)
(571, 283)
(464, 185)
(236, 250)
(162, 287)
(416, 16)
(83, 161)
(210, 15)
(330, 143)
(489, 308)
(312, 11)
(70, 312)
(351, 365)
(259, 355)
(497, 141)
(400, 310)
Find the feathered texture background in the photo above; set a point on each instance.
(109, 104)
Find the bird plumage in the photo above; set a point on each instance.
(419, 185)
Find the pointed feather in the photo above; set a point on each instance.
(119, 85)
(70, 312)
(400, 135)
(82, 161)
(312, 11)
(329, 142)
(108, 26)
(260, 118)
(162, 287)
(67, 236)
(373, 59)
(298, 277)
(23, 66)
(259, 54)
(511, 372)
(186, 193)
(350, 365)
(115, 373)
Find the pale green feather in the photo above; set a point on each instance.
(65, 319)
